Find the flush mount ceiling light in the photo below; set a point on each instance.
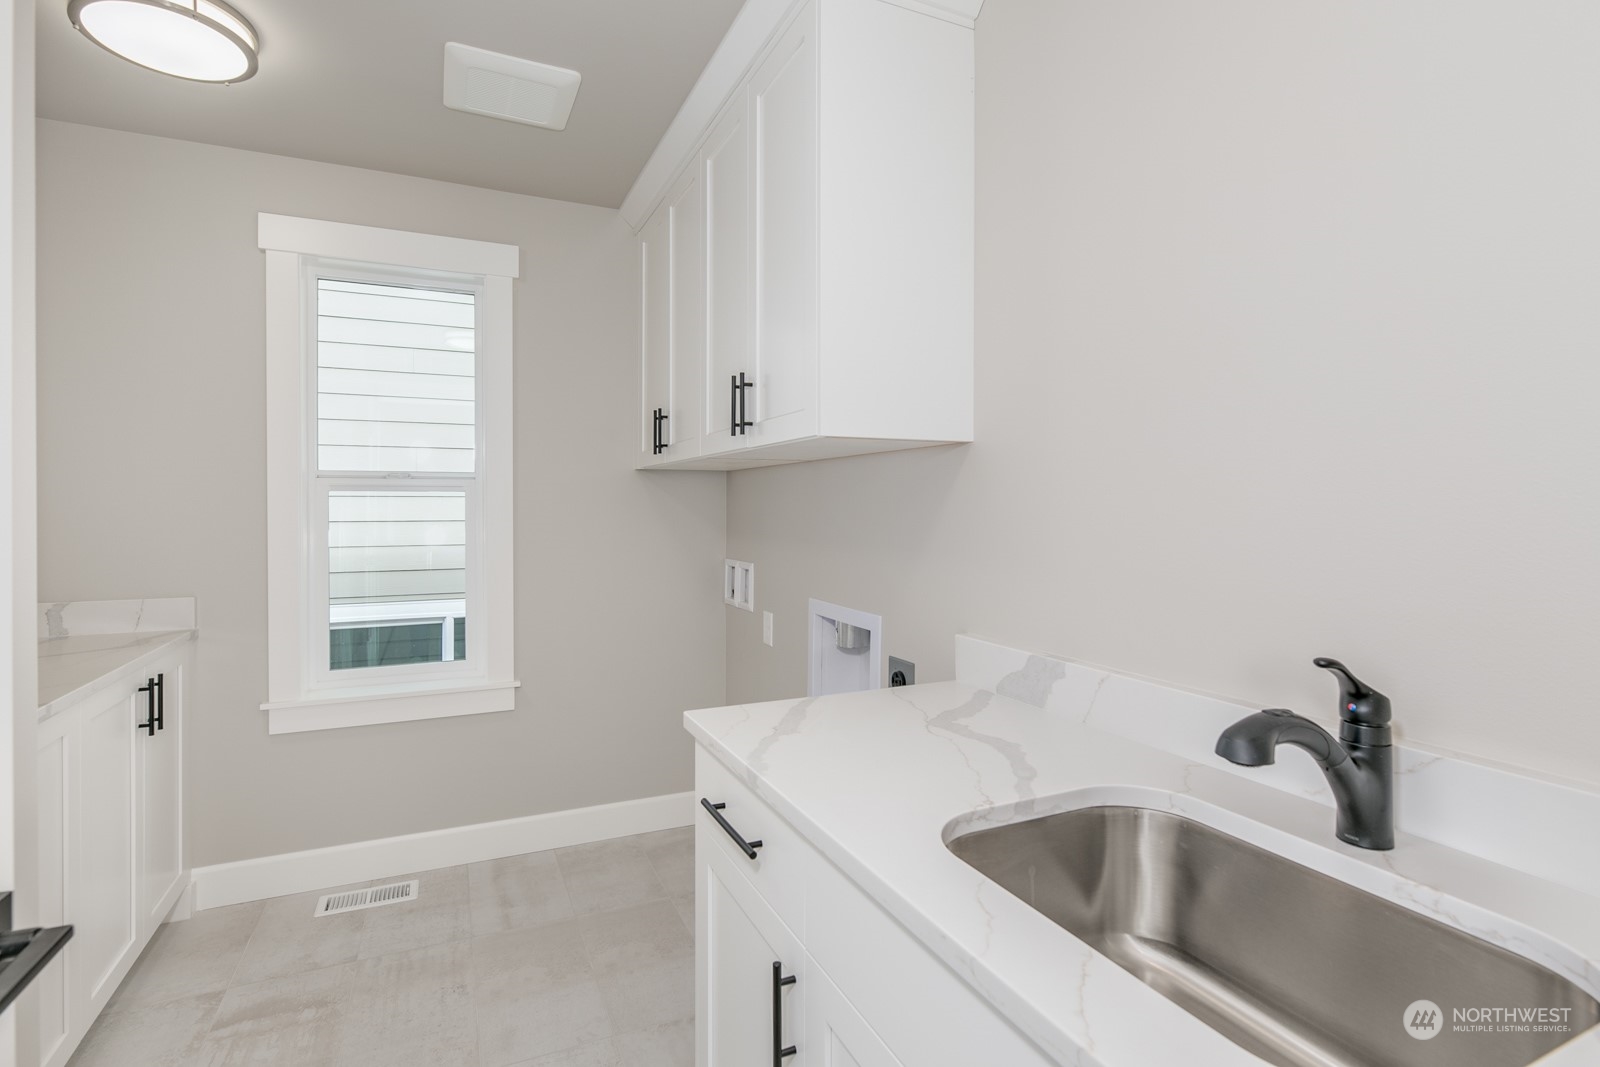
(201, 40)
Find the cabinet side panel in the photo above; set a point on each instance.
(896, 221)
(50, 989)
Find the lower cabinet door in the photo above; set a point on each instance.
(749, 996)
(835, 1034)
(100, 881)
(160, 810)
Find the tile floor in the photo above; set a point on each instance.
(577, 957)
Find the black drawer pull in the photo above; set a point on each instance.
(779, 1049)
(741, 423)
(149, 689)
(748, 847)
(161, 701)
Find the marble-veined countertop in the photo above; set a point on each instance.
(71, 668)
(878, 780)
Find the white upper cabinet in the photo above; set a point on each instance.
(829, 312)
(672, 345)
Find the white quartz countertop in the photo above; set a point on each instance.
(878, 780)
(71, 668)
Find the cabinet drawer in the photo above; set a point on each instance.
(892, 979)
(779, 869)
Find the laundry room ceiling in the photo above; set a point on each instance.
(358, 82)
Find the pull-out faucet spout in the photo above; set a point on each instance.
(1358, 764)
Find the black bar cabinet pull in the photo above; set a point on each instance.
(741, 422)
(748, 847)
(149, 689)
(779, 1049)
(161, 701)
(655, 432)
(661, 429)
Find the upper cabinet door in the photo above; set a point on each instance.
(783, 120)
(725, 169)
(655, 341)
(686, 222)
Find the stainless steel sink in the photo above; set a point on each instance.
(1297, 967)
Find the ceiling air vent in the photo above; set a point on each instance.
(505, 87)
(356, 899)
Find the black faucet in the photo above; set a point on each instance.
(1359, 765)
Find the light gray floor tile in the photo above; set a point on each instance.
(409, 985)
(534, 993)
(439, 915)
(594, 1054)
(643, 959)
(608, 875)
(409, 1008)
(509, 894)
(671, 853)
(168, 1035)
(291, 939)
(664, 1046)
(685, 906)
(184, 959)
(292, 1019)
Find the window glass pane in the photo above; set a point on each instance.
(396, 577)
(395, 378)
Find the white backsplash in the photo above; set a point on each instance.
(75, 618)
(1535, 824)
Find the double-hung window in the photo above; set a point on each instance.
(389, 475)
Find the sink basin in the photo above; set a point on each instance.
(1297, 967)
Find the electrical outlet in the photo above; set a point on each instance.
(766, 628)
(901, 672)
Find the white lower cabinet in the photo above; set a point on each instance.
(836, 1035)
(763, 994)
(864, 992)
(751, 963)
(110, 788)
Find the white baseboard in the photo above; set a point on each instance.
(320, 868)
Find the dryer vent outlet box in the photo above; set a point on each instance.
(505, 87)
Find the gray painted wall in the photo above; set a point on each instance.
(152, 430)
(1288, 345)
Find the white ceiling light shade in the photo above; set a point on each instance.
(200, 40)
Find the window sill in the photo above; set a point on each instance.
(378, 706)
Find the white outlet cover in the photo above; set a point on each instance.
(766, 628)
(739, 584)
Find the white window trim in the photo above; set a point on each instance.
(296, 700)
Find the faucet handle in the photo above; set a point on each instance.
(1358, 701)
